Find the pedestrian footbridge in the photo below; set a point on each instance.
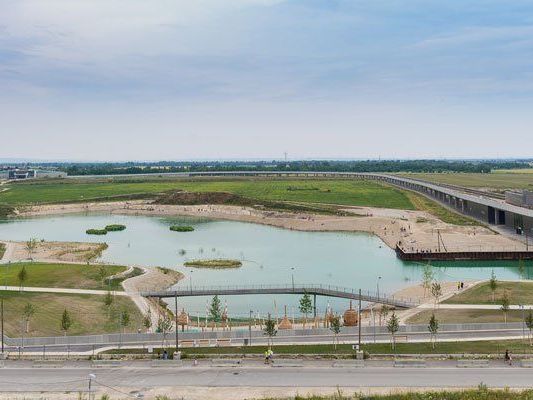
(314, 290)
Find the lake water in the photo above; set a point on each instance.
(269, 255)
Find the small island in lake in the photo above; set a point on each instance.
(96, 232)
(181, 228)
(214, 264)
(115, 228)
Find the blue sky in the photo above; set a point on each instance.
(131, 79)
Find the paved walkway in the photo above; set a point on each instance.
(60, 290)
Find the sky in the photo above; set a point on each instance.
(248, 79)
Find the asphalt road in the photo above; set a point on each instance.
(444, 375)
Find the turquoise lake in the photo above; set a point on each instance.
(270, 256)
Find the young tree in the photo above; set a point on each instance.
(306, 306)
(215, 309)
(102, 274)
(427, 278)
(335, 326)
(529, 324)
(383, 313)
(505, 306)
(493, 284)
(433, 328)
(436, 292)
(22, 277)
(270, 330)
(108, 301)
(147, 320)
(393, 325)
(28, 312)
(66, 321)
(164, 326)
(124, 319)
(30, 246)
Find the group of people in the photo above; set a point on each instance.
(460, 285)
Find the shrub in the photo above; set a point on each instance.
(115, 227)
(181, 228)
(96, 232)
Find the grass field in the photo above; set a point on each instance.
(496, 180)
(514, 171)
(475, 347)
(465, 316)
(78, 276)
(341, 192)
(88, 312)
(424, 204)
(518, 292)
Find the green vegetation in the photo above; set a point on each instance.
(498, 181)
(424, 204)
(465, 316)
(79, 276)
(517, 292)
(181, 228)
(475, 347)
(96, 232)
(338, 191)
(87, 314)
(2, 250)
(482, 393)
(5, 210)
(215, 264)
(115, 228)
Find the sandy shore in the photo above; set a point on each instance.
(66, 252)
(417, 230)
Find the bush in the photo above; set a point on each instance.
(96, 232)
(115, 227)
(181, 228)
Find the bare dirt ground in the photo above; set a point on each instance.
(417, 230)
(68, 252)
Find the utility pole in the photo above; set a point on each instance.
(2, 317)
(176, 318)
(250, 328)
(359, 319)
(91, 377)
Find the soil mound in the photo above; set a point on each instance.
(192, 198)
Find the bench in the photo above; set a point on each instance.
(106, 363)
(204, 343)
(348, 364)
(401, 339)
(47, 364)
(226, 362)
(223, 342)
(287, 363)
(472, 363)
(410, 363)
(186, 343)
(166, 363)
(526, 363)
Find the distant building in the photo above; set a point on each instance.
(521, 198)
(15, 174)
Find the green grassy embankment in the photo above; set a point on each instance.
(497, 180)
(2, 250)
(518, 293)
(77, 276)
(465, 316)
(88, 313)
(476, 347)
(424, 204)
(482, 393)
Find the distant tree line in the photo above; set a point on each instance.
(477, 166)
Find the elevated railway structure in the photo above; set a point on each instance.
(314, 290)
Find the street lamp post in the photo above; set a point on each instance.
(377, 285)
(91, 377)
(190, 280)
(250, 328)
(292, 278)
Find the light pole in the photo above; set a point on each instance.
(377, 285)
(523, 322)
(91, 377)
(292, 277)
(250, 328)
(190, 280)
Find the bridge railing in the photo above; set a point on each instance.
(369, 295)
